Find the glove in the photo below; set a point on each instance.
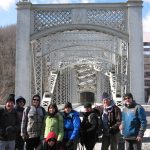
(112, 131)
(24, 137)
(69, 144)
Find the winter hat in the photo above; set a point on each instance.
(106, 96)
(20, 98)
(11, 98)
(87, 105)
(51, 135)
(128, 95)
(68, 105)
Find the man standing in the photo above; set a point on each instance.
(89, 126)
(71, 127)
(9, 124)
(110, 115)
(134, 123)
(20, 103)
(31, 125)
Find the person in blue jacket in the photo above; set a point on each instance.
(134, 123)
(71, 127)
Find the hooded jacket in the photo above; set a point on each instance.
(134, 121)
(71, 125)
(9, 124)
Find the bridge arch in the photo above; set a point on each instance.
(62, 46)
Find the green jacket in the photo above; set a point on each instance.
(55, 124)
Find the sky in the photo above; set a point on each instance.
(8, 13)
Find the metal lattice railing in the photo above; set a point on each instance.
(113, 17)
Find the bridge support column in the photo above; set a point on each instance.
(23, 53)
(136, 59)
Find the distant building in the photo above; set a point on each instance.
(147, 70)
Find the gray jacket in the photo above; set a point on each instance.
(32, 120)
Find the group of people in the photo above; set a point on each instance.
(33, 127)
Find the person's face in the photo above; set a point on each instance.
(128, 100)
(67, 110)
(21, 103)
(51, 143)
(9, 105)
(36, 101)
(106, 102)
(88, 109)
(51, 110)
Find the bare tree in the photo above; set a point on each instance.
(7, 60)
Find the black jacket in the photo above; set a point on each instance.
(9, 124)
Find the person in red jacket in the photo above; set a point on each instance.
(51, 142)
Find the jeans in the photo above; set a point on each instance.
(8, 145)
(132, 145)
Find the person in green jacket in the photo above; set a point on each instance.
(53, 121)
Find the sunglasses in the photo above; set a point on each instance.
(35, 99)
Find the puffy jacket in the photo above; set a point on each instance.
(9, 124)
(32, 121)
(53, 123)
(134, 121)
(71, 125)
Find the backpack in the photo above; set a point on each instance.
(99, 128)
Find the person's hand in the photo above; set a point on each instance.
(139, 138)
(24, 137)
(69, 143)
(121, 127)
(111, 131)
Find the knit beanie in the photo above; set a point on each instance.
(11, 98)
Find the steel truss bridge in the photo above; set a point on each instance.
(75, 52)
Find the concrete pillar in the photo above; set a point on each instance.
(23, 52)
(136, 58)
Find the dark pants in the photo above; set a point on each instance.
(89, 142)
(110, 140)
(19, 143)
(72, 147)
(133, 145)
(32, 143)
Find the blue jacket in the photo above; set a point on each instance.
(134, 121)
(71, 125)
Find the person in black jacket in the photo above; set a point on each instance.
(89, 127)
(20, 103)
(9, 124)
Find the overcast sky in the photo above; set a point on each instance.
(8, 12)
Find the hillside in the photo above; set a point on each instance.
(7, 61)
